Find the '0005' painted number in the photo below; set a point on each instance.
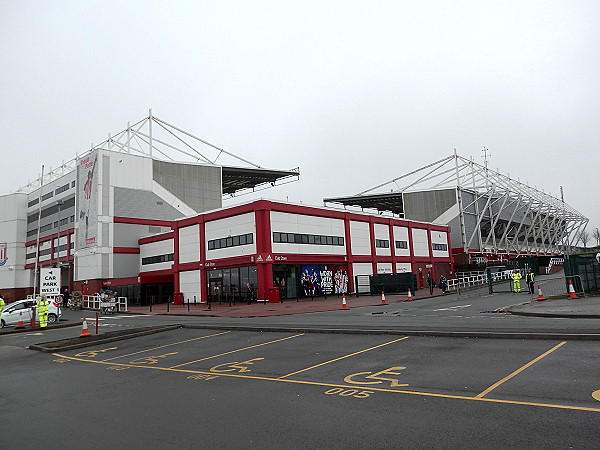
(348, 392)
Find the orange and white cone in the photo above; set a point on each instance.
(572, 293)
(344, 305)
(19, 324)
(540, 295)
(84, 329)
(409, 297)
(383, 302)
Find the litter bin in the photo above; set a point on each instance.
(178, 298)
(273, 295)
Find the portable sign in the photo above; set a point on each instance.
(49, 281)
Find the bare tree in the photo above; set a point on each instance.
(584, 237)
(596, 235)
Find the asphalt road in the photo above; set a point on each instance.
(192, 388)
(217, 388)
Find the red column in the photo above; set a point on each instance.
(392, 246)
(264, 270)
(373, 248)
(175, 269)
(203, 281)
(349, 257)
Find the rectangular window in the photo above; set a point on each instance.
(382, 243)
(232, 241)
(401, 244)
(47, 196)
(439, 246)
(312, 239)
(157, 259)
(304, 238)
(33, 202)
(61, 189)
(276, 237)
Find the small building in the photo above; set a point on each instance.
(302, 251)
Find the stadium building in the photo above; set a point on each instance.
(127, 216)
(494, 219)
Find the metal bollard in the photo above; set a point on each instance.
(188, 303)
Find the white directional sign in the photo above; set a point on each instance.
(49, 281)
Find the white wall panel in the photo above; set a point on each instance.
(382, 232)
(155, 249)
(384, 268)
(301, 224)
(189, 244)
(362, 269)
(403, 267)
(360, 238)
(420, 242)
(401, 234)
(189, 285)
(440, 237)
(230, 226)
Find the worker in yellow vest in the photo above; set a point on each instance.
(2, 303)
(529, 279)
(43, 306)
(516, 277)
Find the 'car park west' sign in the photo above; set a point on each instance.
(50, 281)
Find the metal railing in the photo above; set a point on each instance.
(93, 302)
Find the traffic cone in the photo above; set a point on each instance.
(19, 324)
(572, 290)
(84, 329)
(32, 322)
(344, 306)
(540, 295)
(409, 297)
(383, 302)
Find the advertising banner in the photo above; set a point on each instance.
(87, 201)
(49, 281)
(319, 279)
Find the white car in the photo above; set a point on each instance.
(21, 311)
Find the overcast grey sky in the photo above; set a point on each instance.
(354, 93)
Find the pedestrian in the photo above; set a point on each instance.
(2, 304)
(443, 284)
(430, 283)
(529, 279)
(516, 277)
(66, 297)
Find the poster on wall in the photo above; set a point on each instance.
(3, 255)
(319, 279)
(87, 201)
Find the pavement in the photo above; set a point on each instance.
(588, 307)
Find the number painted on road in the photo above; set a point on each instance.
(201, 376)
(596, 395)
(394, 382)
(349, 392)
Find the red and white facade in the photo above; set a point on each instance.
(268, 244)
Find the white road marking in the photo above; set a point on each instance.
(452, 308)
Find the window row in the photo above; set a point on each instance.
(439, 246)
(58, 190)
(47, 251)
(314, 239)
(157, 259)
(47, 227)
(231, 241)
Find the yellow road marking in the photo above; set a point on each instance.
(518, 371)
(341, 357)
(315, 383)
(238, 350)
(166, 345)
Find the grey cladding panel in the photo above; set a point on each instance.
(125, 265)
(199, 187)
(427, 206)
(135, 203)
